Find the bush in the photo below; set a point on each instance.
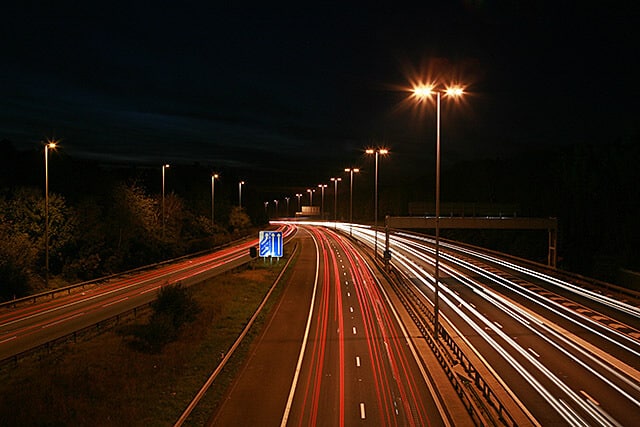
(174, 307)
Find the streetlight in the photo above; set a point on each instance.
(213, 189)
(51, 144)
(322, 186)
(422, 93)
(287, 199)
(299, 195)
(266, 209)
(276, 202)
(377, 152)
(165, 166)
(351, 171)
(240, 184)
(310, 191)
(335, 198)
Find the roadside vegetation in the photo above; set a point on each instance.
(135, 375)
(103, 219)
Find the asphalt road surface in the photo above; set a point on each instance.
(333, 352)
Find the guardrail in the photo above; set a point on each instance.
(447, 361)
(67, 289)
(73, 337)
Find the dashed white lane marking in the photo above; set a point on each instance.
(115, 302)
(358, 361)
(586, 395)
(9, 339)
(363, 414)
(62, 320)
(533, 352)
(354, 330)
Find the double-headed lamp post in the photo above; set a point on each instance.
(240, 184)
(299, 196)
(213, 193)
(377, 152)
(423, 93)
(322, 187)
(165, 166)
(335, 198)
(51, 144)
(351, 172)
(310, 191)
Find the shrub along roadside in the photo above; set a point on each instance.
(108, 382)
(174, 308)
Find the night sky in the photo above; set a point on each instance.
(298, 90)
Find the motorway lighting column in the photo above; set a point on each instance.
(351, 171)
(377, 152)
(51, 144)
(335, 198)
(299, 196)
(240, 184)
(165, 166)
(310, 191)
(422, 93)
(213, 193)
(322, 187)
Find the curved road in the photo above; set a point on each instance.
(333, 353)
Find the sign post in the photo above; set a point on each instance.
(270, 244)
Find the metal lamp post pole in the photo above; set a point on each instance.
(213, 192)
(163, 218)
(335, 198)
(52, 145)
(436, 305)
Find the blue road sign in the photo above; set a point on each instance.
(270, 243)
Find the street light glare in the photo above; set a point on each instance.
(422, 92)
(454, 91)
(383, 151)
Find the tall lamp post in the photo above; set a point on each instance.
(51, 144)
(240, 184)
(335, 198)
(322, 186)
(213, 193)
(310, 191)
(299, 196)
(422, 93)
(287, 200)
(165, 166)
(276, 202)
(351, 172)
(377, 152)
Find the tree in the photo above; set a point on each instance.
(238, 219)
(17, 260)
(25, 211)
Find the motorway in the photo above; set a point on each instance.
(31, 325)
(567, 355)
(336, 351)
(349, 363)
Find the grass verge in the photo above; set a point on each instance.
(106, 382)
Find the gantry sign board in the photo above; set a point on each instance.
(270, 244)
